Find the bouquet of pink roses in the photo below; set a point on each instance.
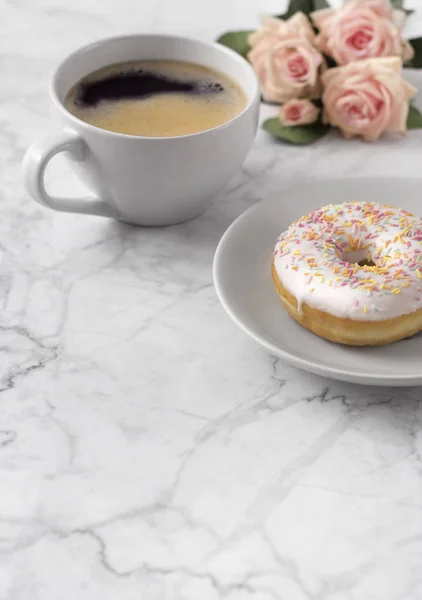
(334, 67)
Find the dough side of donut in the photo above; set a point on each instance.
(348, 331)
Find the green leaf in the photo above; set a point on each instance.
(237, 41)
(305, 6)
(416, 62)
(414, 118)
(398, 5)
(299, 134)
(320, 4)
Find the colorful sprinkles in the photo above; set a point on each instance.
(371, 248)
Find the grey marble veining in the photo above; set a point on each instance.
(148, 449)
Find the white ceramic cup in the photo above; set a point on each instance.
(136, 179)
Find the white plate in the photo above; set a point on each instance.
(242, 277)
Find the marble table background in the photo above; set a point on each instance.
(148, 449)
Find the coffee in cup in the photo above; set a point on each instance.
(156, 98)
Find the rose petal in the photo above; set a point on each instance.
(407, 51)
(298, 112)
(367, 97)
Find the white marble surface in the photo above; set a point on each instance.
(148, 449)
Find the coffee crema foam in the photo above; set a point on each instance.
(156, 98)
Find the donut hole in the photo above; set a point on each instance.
(366, 263)
(361, 258)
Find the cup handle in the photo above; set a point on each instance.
(35, 163)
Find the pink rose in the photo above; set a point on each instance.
(298, 112)
(290, 69)
(284, 59)
(361, 29)
(275, 30)
(367, 98)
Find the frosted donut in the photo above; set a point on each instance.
(352, 273)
